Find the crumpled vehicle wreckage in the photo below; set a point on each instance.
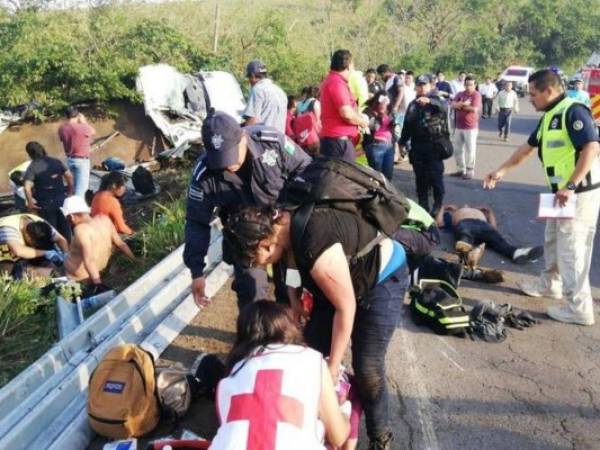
(178, 103)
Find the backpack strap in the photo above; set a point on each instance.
(367, 248)
(299, 221)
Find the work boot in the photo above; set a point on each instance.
(566, 315)
(528, 254)
(463, 247)
(473, 257)
(534, 289)
(383, 442)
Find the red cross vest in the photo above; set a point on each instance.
(271, 401)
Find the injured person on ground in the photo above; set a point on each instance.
(476, 227)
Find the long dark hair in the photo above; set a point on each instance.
(262, 323)
(245, 228)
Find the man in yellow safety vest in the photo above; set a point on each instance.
(569, 150)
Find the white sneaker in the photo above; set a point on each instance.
(533, 289)
(564, 314)
(528, 254)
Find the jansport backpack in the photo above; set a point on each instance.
(436, 303)
(122, 399)
(347, 186)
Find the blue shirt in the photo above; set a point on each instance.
(580, 96)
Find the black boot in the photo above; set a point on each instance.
(383, 442)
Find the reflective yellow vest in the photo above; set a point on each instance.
(557, 152)
(14, 222)
(418, 218)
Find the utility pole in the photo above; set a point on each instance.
(216, 30)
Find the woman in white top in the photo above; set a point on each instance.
(277, 390)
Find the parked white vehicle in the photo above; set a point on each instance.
(519, 75)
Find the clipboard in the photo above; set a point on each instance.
(547, 210)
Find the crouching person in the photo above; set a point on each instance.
(277, 389)
(92, 243)
(29, 244)
(358, 282)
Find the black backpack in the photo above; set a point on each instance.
(142, 180)
(345, 186)
(436, 304)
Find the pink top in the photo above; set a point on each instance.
(384, 133)
(76, 139)
(335, 93)
(468, 120)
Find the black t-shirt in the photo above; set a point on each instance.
(47, 177)
(327, 227)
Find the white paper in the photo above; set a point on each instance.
(548, 210)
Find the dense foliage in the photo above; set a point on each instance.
(60, 57)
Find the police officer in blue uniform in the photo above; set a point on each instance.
(241, 166)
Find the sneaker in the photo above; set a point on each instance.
(528, 254)
(469, 175)
(458, 174)
(505, 139)
(383, 442)
(564, 314)
(532, 289)
(463, 247)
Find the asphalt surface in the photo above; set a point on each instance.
(539, 389)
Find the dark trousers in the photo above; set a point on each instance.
(475, 232)
(429, 175)
(338, 148)
(487, 107)
(252, 284)
(55, 217)
(374, 325)
(504, 119)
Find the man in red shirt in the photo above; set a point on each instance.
(467, 105)
(76, 135)
(339, 115)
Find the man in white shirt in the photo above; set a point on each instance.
(458, 85)
(505, 103)
(488, 92)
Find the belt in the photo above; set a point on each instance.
(505, 109)
(337, 138)
(78, 157)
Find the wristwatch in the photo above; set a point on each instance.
(571, 186)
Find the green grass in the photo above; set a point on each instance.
(27, 325)
(28, 320)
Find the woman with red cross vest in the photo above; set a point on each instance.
(277, 389)
(357, 279)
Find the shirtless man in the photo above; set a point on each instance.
(92, 244)
(475, 226)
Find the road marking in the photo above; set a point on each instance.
(445, 355)
(447, 344)
(430, 441)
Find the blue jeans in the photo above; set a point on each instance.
(80, 168)
(381, 158)
(504, 119)
(376, 319)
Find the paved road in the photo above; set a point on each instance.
(539, 389)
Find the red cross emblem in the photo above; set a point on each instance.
(263, 408)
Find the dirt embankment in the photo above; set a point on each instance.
(134, 143)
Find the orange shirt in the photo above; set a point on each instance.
(106, 203)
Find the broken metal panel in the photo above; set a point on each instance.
(178, 103)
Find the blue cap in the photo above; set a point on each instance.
(256, 67)
(221, 135)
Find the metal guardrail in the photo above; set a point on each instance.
(45, 406)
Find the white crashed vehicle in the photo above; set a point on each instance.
(177, 103)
